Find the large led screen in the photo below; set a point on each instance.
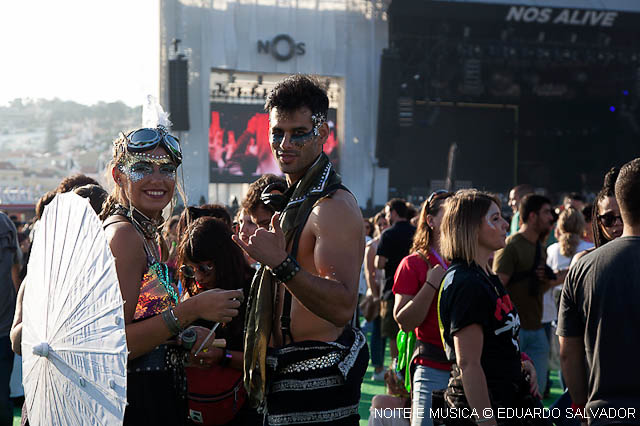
(239, 149)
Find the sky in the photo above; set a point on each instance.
(79, 50)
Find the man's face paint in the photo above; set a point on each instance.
(138, 166)
(299, 138)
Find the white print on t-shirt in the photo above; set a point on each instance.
(512, 323)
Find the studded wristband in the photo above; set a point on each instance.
(286, 270)
(171, 321)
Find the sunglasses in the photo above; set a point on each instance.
(434, 194)
(609, 219)
(189, 272)
(144, 139)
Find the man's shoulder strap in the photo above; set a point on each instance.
(285, 318)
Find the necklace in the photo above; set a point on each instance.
(162, 271)
(147, 227)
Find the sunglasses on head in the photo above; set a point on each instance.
(436, 194)
(609, 219)
(189, 272)
(145, 139)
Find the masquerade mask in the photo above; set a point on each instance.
(301, 139)
(139, 166)
(146, 139)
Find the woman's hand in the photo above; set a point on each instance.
(435, 275)
(528, 368)
(210, 354)
(218, 305)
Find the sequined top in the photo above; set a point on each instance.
(156, 292)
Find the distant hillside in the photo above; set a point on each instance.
(28, 115)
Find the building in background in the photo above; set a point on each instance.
(218, 60)
(545, 92)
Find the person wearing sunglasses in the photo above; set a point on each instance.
(143, 168)
(416, 284)
(209, 260)
(606, 220)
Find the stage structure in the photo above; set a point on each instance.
(220, 58)
(542, 94)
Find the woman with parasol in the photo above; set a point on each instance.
(143, 167)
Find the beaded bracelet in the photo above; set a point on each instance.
(286, 270)
(171, 321)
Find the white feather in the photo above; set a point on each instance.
(153, 115)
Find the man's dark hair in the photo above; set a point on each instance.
(577, 197)
(531, 203)
(95, 194)
(411, 211)
(628, 192)
(42, 203)
(608, 190)
(399, 206)
(522, 189)
(297, 91)
(252, 200)
(74, 181)
(193, 213)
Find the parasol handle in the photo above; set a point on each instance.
(41, 350)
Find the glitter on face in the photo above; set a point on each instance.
(299, 140)
(137, 166)
(487, 218)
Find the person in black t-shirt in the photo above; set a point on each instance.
(394, 245)
(598, 318)
(478, 323)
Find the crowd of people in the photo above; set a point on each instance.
(486, 301)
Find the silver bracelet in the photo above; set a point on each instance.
(171, 321)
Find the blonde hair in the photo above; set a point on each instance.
(463, 214)
(571, 224)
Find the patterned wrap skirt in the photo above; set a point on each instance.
(317, 382)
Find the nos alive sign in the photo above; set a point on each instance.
(405, 12)
(548, 15)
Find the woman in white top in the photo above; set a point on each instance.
(569, 233)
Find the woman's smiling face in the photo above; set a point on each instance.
(148, 180)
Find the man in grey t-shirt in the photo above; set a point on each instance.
(10, 259)
(599, 319)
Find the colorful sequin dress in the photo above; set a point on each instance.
(156, 292)
(156, 382)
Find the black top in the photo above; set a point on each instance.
(395, 243)
(469, 296)
(600, 303)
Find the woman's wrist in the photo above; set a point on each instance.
(187, 311)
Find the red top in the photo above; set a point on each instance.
(410, 276)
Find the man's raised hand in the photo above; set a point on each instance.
(267, 246)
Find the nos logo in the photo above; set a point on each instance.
(282, 47)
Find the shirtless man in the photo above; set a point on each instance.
(324, 280)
